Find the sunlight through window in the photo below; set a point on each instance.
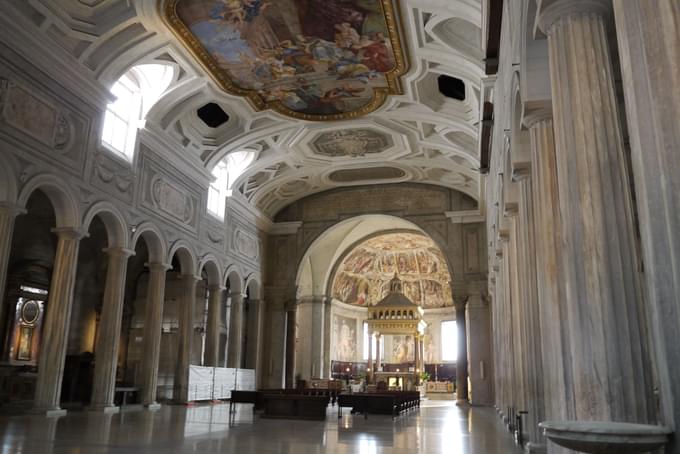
(449, 340)
(136, 92)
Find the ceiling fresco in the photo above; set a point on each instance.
(309, 59)
(363, 276)
(351, 142)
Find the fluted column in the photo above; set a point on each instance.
(185, 334)
(55, 334)
(235, 340)
(605, 317)
(212, 344)
(290, 348)
(648, 34)
(556, 370)
(8, 214)
(153, 320)
(461, 359)
(108, 331)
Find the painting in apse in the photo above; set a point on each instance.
(309, 59)
(345, 336)
(403, 349)
(363, 276)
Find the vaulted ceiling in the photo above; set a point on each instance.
(419, 135)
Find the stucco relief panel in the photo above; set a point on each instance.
(165, 196)
(56, 131)
(114, 177)
(245, 244)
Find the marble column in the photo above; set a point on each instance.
(56, 325)
(212, 344)
(235, 330)
(290, 348)
(649, 51)
(256, 313)
(606, 321)
(478, 330)
(235, 341)
(462, 360)
(556, 370)
(108, 331)
(8, 214)
(185, 334)
(153, 320)
(371, 374)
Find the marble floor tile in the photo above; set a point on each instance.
(438, 427)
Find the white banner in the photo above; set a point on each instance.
(224, 382)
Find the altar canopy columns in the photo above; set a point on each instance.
(212, 341)
(610, 360)
(235, 330)
(370, 374)
(378, 357)
(55, 334)
(108, 332)
(648, 35)
(460, 302)
(416, 356)
(185, 333)
(153, 319)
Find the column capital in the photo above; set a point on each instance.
(118, 252)
(535, 116)
(240, 295)
(11, 209)
(158, 266)
(550, 11)
(190, 278)
(70, 233)
(216, 287)
(460, 300)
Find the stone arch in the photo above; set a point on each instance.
(60, 195)
(154, 239)
(253, 286)
(210, 264)
(185, 255)
(391, 223)
(113, 220)
(236, 282)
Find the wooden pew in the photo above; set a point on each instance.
(295, 406)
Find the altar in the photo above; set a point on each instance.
(395, 315)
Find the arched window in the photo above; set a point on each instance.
(136, 92)
(226, 172)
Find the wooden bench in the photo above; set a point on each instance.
(123, 392)
(295, 406)
(241, 397)
(385, 403)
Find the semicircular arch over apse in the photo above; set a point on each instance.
(363, 274)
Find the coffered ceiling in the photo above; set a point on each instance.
(417, 134)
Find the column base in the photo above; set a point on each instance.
(535, 448)
(108, 409)
(48, 412)
(462, 403)
(154, 406)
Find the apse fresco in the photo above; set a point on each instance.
(363, 276)
(311, 59)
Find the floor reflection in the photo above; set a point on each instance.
(436, 428)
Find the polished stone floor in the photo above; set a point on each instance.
(438, 427)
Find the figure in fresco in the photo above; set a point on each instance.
(345, 335)
(402, 349)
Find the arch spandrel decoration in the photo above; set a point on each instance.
(311, 60)
(363, 277)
